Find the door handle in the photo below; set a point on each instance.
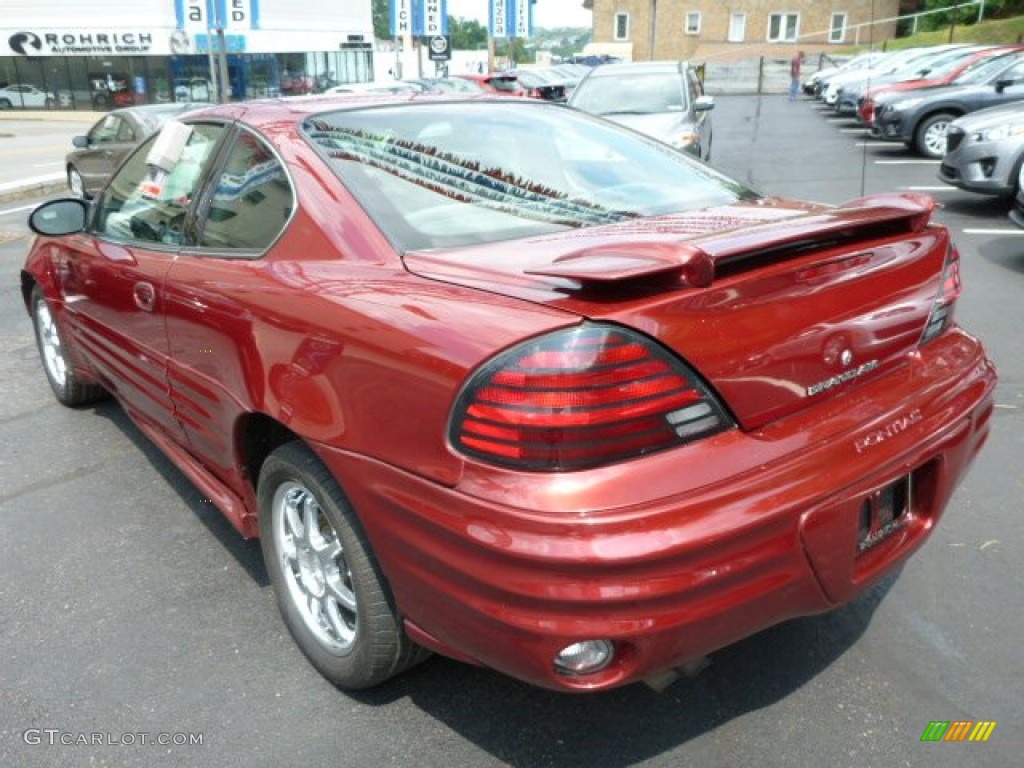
(145, 296)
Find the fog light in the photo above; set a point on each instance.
(584, 657)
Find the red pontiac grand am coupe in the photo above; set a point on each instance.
(500, 380)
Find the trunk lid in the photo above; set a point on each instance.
(777, 304)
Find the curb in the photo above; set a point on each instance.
(49, 187)
(68, 116)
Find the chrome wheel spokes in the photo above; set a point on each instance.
(313, 561)
(50, 346)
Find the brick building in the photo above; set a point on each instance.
(736, 29)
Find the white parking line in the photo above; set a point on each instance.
(878, 143)
(907, 162)
(10, 211)
(943, 188)
(1017, 232)
(45, 165)
(861, 131)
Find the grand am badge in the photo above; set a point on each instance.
(841, 378)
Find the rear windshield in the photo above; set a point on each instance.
(450, 174)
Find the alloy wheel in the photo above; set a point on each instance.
(49, 342)
(315, 571)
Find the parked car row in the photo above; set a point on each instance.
(965, 107)
(914, 96)
(547, 83)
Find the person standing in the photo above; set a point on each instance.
(794, 75)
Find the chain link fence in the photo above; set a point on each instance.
(762, 74)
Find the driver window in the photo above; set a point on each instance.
(128, 212)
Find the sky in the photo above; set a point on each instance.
(546, 13)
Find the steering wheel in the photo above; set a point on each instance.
(143, 230)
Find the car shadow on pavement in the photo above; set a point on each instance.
(521, 725)
(1006, 252)
(246, 552)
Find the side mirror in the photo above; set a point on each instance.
(59, 217)
(704, 103)
(80, 141)
(1002, 85)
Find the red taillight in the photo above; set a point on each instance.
(581, 398)
(941, 316)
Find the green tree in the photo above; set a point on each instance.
(956, 12)
(467, 34)
(381, 10)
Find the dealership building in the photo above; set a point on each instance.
(70, 54)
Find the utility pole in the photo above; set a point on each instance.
(214, 90)
(225, 81)
(952, 21)
(652, 34)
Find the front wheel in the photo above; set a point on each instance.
(56, 362)
(5, 104)
(329, 587)
(930, 137)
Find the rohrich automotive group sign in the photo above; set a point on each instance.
(66, 42)
(420, 18)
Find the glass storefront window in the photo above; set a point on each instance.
(110, 82)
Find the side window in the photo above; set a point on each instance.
(251, 200)
(105, 131)
(1014, 73)
(125, 134)
(131, 210)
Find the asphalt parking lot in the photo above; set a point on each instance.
(129, 606)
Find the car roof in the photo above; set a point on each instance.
(640, 68)
(261, 113)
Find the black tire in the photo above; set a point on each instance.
(1015, 180)
(5, 104)
(53, 352)
(317, 571)
(927, 134)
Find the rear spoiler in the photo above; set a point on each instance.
(694, 262)
(862, 219)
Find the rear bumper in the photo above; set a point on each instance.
(678, 554)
